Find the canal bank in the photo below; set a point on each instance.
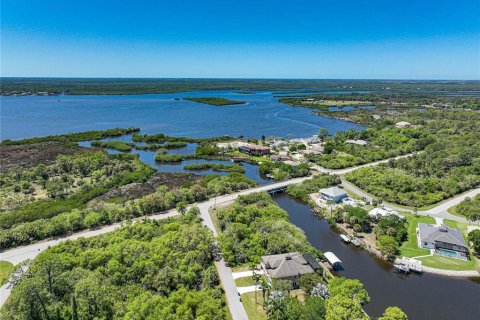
(420, 296)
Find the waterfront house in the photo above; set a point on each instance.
(288, 266)
(402, 124)
(254, 150)
(444, 240)
(334, 194)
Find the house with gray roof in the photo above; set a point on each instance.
(444, 240)
(288, 266)
(334, 194)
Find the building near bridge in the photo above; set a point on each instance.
(334, 194)
(443, 240)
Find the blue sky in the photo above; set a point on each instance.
(380, 39)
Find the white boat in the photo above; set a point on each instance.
(345, 238)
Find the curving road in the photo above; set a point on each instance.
(237, 310)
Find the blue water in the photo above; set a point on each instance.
(251, 171)
(33, 116)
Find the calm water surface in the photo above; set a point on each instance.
(422, 297)
(33, 116)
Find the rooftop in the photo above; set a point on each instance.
(286, 265)
(333, 192)
(431, 233)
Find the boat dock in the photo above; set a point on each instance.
(345, 238)
(333, 260)
(356, 242)
(407, 265)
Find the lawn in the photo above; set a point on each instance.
(6, 269)
(244, 281)
(410, 247)
(254, 309)
(440, 262)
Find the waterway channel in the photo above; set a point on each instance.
(422, 297)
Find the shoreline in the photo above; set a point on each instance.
(338, 228)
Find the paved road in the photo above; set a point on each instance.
(19, 254)
(440, 211)
(347, 170)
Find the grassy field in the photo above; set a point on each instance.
(215, 101)
(5, 269)
(254, 309)
(244, 282)
(410, 247)
(440, 262)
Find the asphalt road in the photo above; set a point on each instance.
(237, 310)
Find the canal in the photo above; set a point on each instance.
(420, 296)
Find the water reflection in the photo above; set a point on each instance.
(420, 296)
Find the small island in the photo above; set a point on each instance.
(215, 101)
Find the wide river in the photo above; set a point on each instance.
(422, 297)
(33, 116)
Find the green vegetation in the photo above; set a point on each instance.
(256, 226)
(410, 247)
(390, 232)
(45, 191)
(474, 238)
(254, 305)
(391, 99)
(215, 101)
(469, 208)
(151, 270)
(440, 262)
(115, 145)
(220, 167)
(161, 138)
(46, 226)
(244, 281)
(317, 182)
(283, 171)
(144, 86)
(393, 313)
(6, 268)
(75, 137)
(382, 144)
(159, 157)
(447, 167)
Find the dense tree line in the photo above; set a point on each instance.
(470, 208)
(256, 226)
(99, 214)
(67, 184)
(115, 145)
(446, 168)
(317, 182)
(146, 270)
(382, 144)
(284, 171)
(220, 167)
(76, 137)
